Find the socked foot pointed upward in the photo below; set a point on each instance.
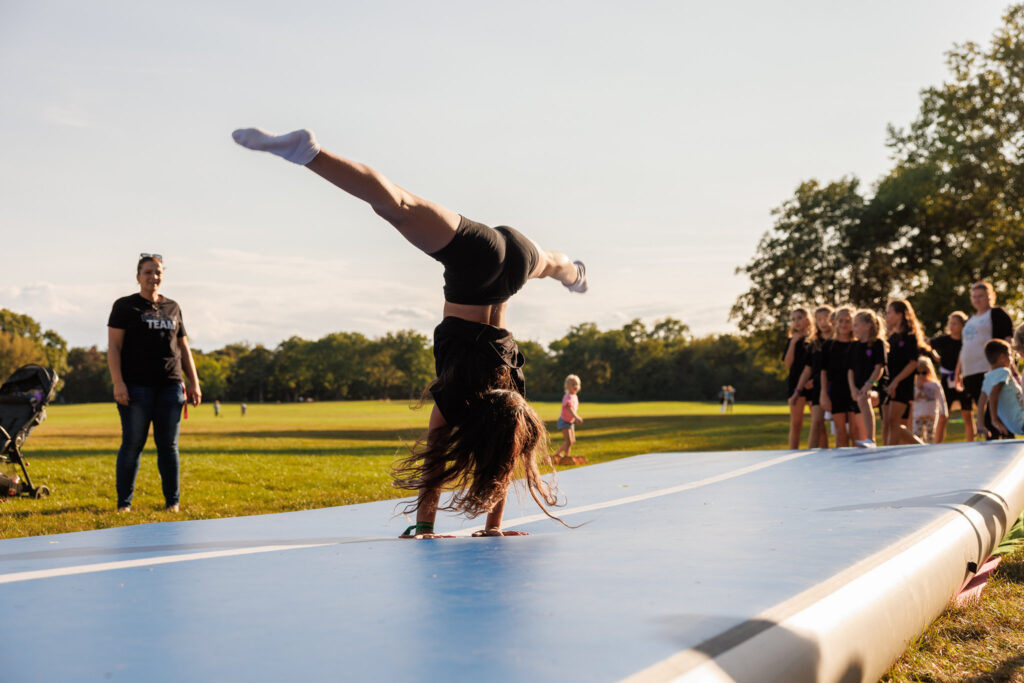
(580, 286)
(299, 146)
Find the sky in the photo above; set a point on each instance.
(649, 139)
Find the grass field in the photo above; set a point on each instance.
(282, 457)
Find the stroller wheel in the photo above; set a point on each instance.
(41, 492)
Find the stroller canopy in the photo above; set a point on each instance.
(32, 382)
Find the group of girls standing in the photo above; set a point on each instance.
(841, 364)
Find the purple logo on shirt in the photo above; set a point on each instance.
(869, 352)
(901, 342)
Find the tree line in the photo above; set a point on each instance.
(635, 362)
(949, 213)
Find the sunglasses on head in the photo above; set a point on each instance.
(156, 256)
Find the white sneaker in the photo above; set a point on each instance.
(865, 443)
(580, 286)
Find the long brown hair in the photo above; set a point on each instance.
(812, 329)
(499, 441)
(911, 326)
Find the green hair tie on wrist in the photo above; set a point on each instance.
(419, 528)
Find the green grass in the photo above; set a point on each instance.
(981, 643)
(299, 456)
(283, 457)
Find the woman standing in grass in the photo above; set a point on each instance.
(149, 360)
(482, 433)
(988, 322)
(567, 421)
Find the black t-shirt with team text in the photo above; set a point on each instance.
(151, 354)
(863, 358)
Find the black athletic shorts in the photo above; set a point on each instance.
(952, 395)
(972, 388)
(485, 266)
(842, 401)
(905, 391)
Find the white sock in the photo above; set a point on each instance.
(298, 147)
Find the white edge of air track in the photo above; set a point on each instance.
(854, 625)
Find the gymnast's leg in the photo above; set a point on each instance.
(556, 265)
(428, 226)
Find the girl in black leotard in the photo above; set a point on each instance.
(797, 357)
(906, 343)
(835, 388)
(482, 432)
(866, 362)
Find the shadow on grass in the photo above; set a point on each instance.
(654, 425)
(1008, 672)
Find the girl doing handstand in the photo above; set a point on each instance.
(482, 433)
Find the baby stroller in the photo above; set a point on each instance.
(23, 399)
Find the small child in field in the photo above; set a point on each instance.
(567, 422)
(1000, 394)
(929, 401)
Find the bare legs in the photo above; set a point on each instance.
(897, 432)
(818, 437)
(867, 414)
(842, 429)
(425, 224)
(428, 226)
(556, 265)
(796, 420)
(968, 424)
(562, 455)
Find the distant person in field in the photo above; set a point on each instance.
(867, 363)
(482, 433)
(1001, 395)
(150, 363)
(929, 401)
(796, 357)
(244, 408)
(216, 408)
(906, 344)
(988, 322)
(567, 421)
(948, 347)
(835, 387)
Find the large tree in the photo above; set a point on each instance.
(948, 213)
(22, 340)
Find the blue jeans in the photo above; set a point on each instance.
(160, 406)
